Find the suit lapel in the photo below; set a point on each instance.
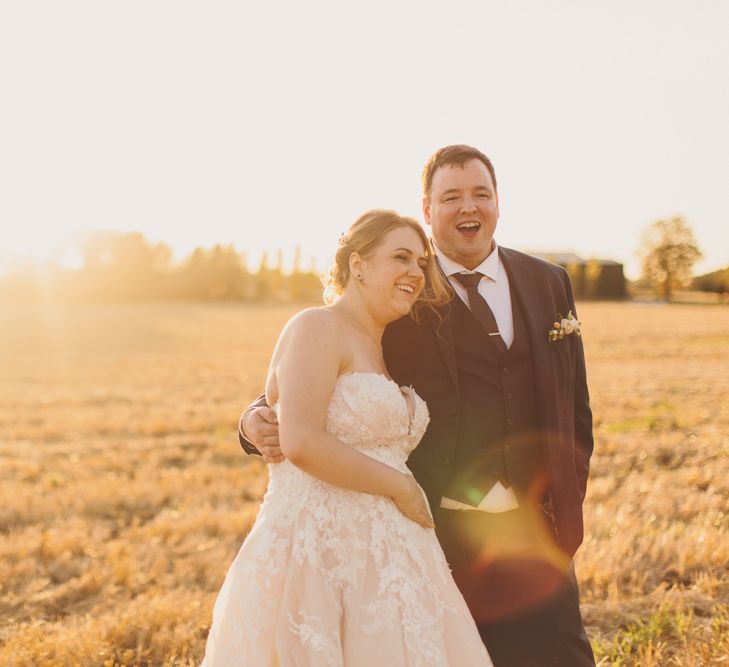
(537, 305)
(442, 328)
(523, 285)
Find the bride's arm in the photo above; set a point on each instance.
(301, 379)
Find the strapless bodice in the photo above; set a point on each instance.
(371, 412)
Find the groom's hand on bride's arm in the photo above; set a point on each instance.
(258, 428)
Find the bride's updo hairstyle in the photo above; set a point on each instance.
(364, 237)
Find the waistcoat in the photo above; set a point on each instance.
(499, 431)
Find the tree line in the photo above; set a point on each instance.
(126, 266)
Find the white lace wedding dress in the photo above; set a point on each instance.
(334, 577)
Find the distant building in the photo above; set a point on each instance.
(591, 278)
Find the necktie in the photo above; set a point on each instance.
(480, 308)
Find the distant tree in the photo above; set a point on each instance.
(263, 287)
(593, 274)
(296, 279)
(576, 272)
(226, 273)
(216, 274)
(668, 251)
(716, 281)
(123, 265)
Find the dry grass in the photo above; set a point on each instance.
(124, 495)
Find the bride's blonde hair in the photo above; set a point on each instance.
(364, 237)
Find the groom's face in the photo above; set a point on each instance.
(462, 211)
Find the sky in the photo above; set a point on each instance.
(276, 124)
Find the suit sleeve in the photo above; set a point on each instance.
(248, 446)
(584, 442)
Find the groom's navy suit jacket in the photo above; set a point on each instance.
(421, 352)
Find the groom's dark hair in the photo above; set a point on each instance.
(458, 154)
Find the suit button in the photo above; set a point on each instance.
(452, 412)
(508, 420)
(509, 395)
(446, 460)
(505, 371)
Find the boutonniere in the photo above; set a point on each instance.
(564, 327)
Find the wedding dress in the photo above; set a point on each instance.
(329, 576)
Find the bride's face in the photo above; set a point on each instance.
(393, 276)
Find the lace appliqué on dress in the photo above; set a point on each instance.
(331, 576)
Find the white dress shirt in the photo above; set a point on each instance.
(494, 287)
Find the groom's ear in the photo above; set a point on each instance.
(426, 210)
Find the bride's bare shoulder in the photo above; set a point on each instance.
(313, 328)
(316, 320)
(310, 346)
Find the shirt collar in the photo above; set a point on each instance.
(489, 267)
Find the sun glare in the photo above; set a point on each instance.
(71, 259)
(32, 243)
(40, 246)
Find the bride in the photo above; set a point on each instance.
(342, 566)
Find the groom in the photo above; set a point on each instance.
(505, 459)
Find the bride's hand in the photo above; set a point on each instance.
(411, 501)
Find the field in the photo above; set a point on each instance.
(124, 494)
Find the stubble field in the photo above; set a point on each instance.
(124, 494)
